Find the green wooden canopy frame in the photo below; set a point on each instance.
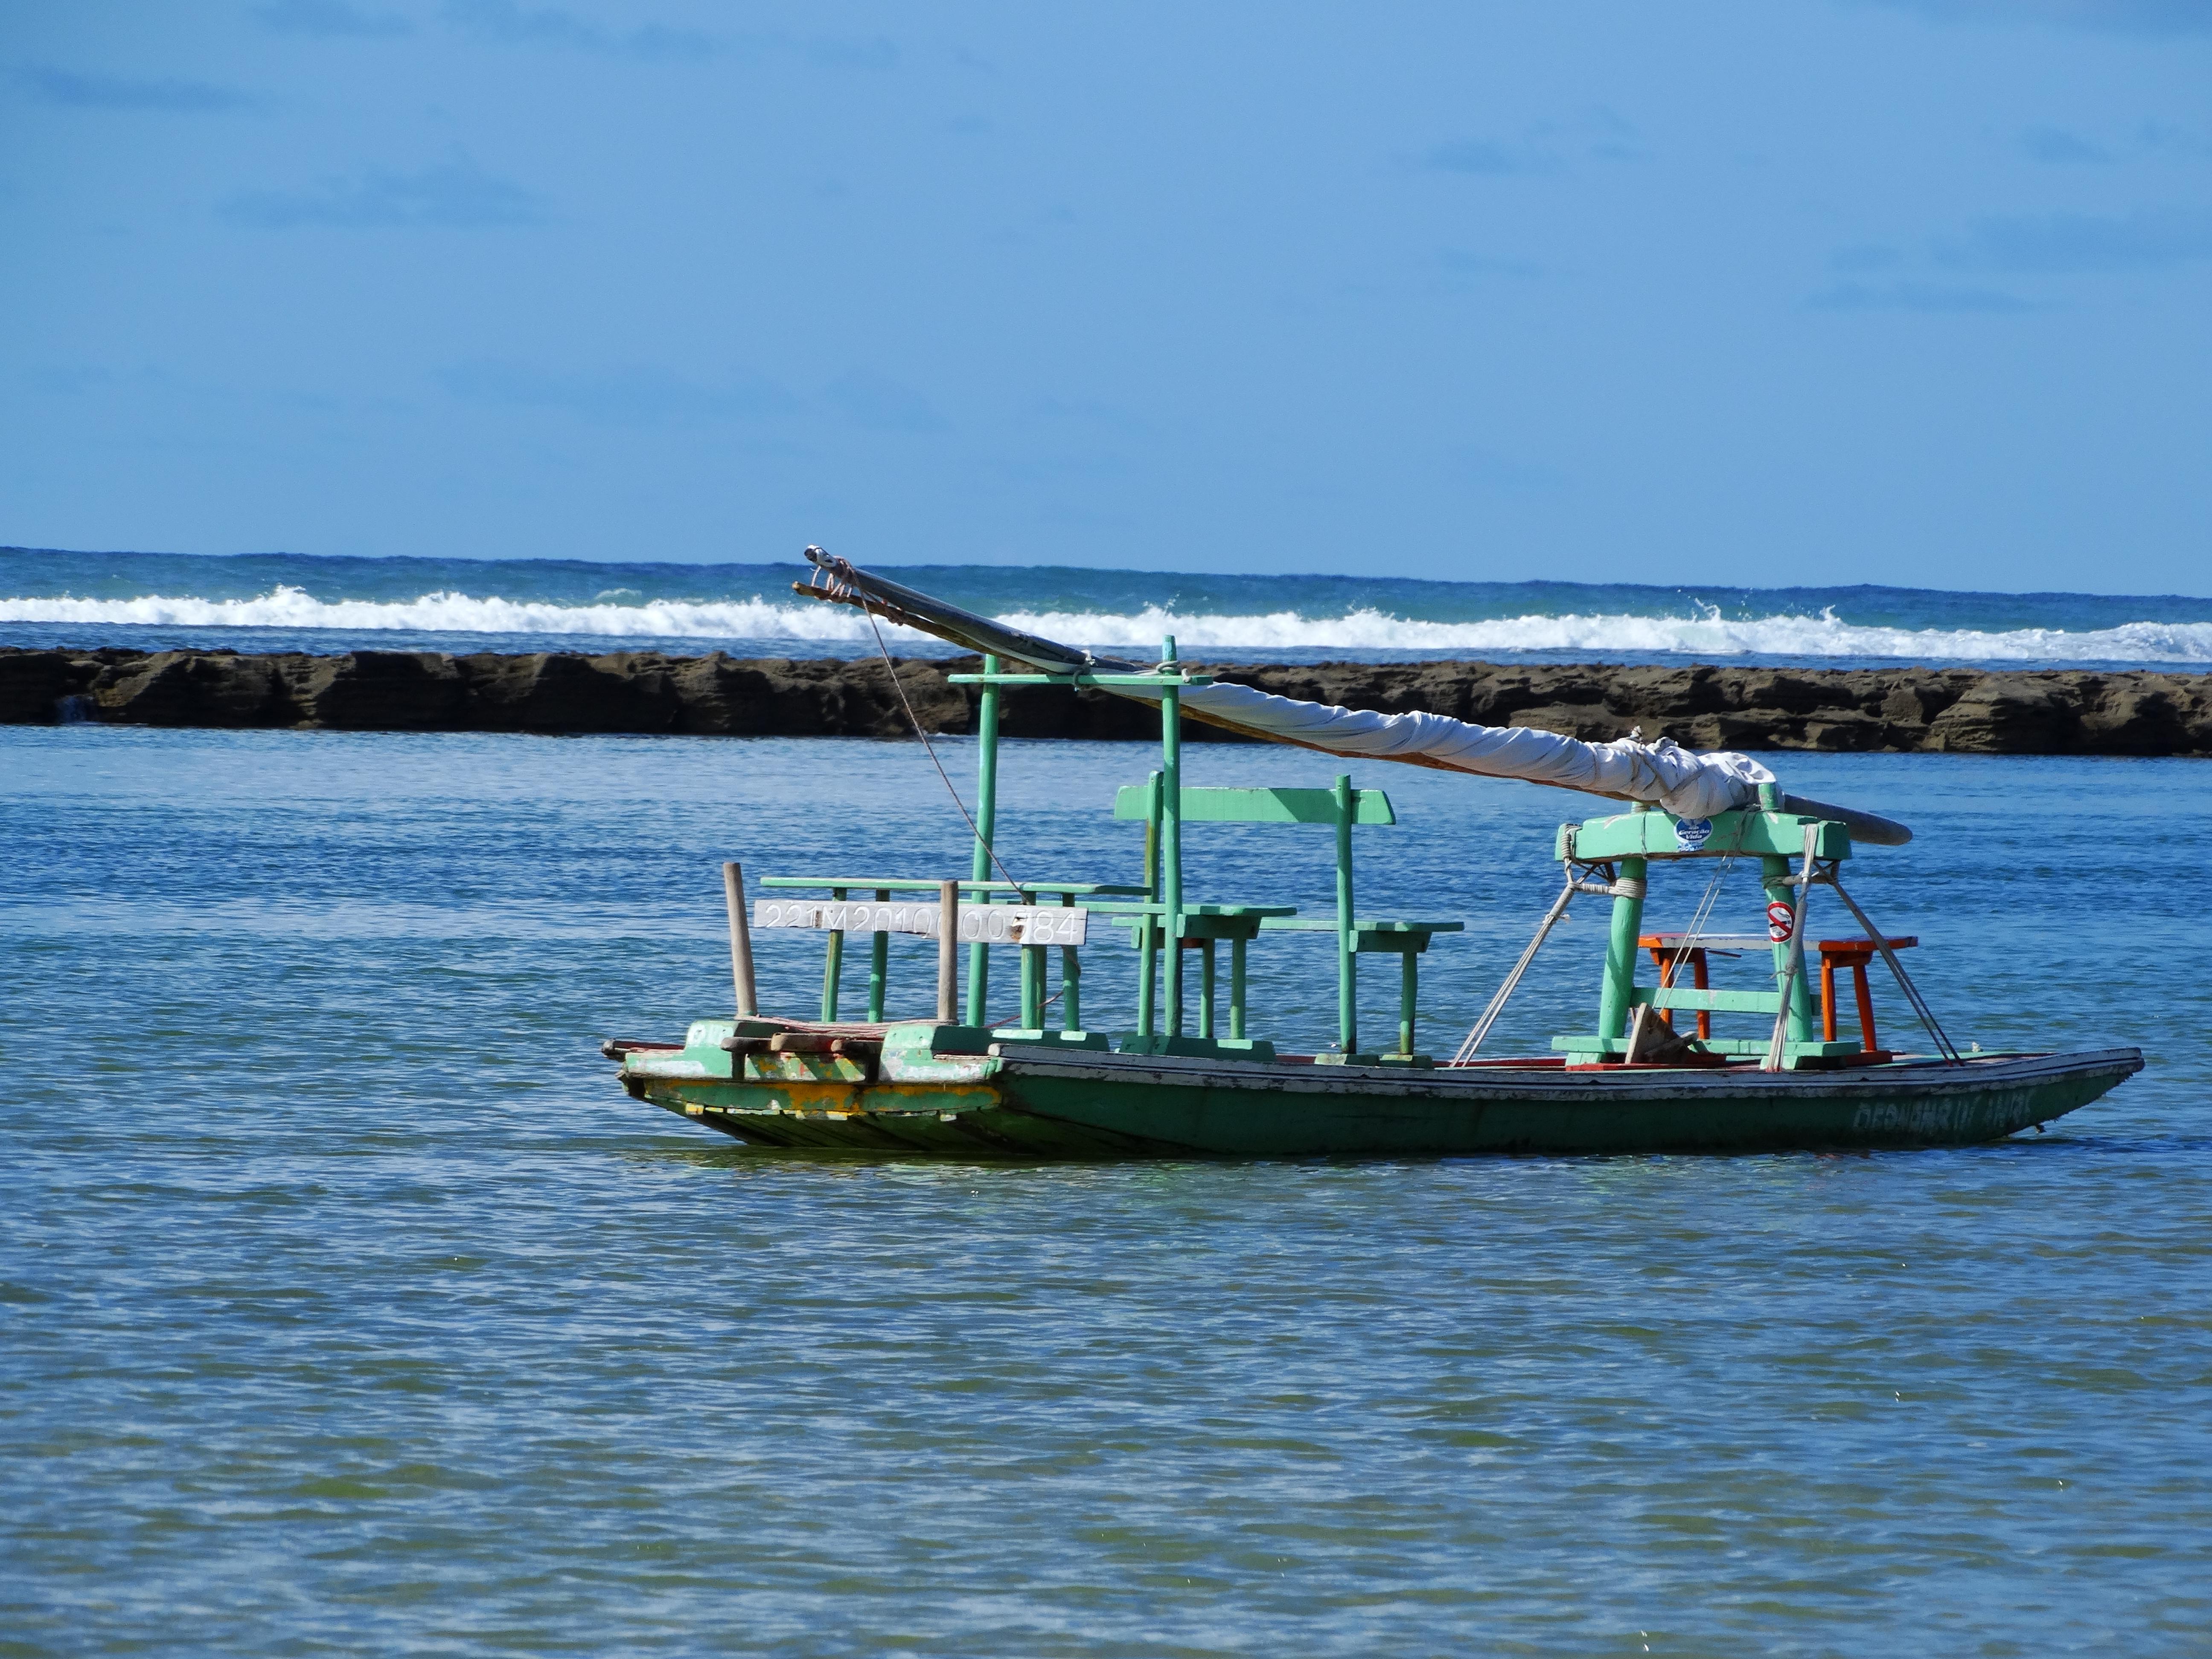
(1627, 845)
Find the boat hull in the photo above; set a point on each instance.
(1038, 1104)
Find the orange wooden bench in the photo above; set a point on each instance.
(1668, 957)
(1854, 954)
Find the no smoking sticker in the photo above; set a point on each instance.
(1780, 922)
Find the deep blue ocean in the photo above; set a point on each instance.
(348, 1306)
(290, 602)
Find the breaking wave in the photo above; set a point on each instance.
(1705, 633)
(459, 613)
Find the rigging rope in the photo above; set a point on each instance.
(1696, 931)
(1944, 1044)
(930, 748)
(1513, 980)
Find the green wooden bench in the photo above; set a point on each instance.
(1032, 982)
(1341, 808)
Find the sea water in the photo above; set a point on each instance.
(290, 602)
(348, 1305)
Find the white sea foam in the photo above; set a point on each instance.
(459, 613)
(1706, 634)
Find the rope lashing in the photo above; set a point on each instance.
(1612, 886)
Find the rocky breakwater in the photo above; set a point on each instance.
(2056, 711)
(550, 692)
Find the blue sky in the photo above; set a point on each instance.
(1759, 293)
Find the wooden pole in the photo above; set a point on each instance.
(1793, 1019)
(1409, 981)
(1616, 999)
(833, 966)
(987, 819)
(1171, 837)
(1347, 963)
(879, 961)
(1032, 982)
(1147, 980)
(948, 953)
(741, 941)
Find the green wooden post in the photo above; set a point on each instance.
(1071, 980)
(1147, 992)
(1620, 950)
(1032, 985)
(1237, 989)
(880, 963)
(1206, 988)
(1409, 978)
(1152, 836)
(1774, 874)
(1347, 960)
(1171, 837)
(1147, 984)
(987, 816)
(833, 966)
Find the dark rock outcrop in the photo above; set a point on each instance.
(1961, 710)
(188, 688)
(35, 684)
(380, 691)
(548, 691)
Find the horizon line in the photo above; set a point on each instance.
(1115, 570)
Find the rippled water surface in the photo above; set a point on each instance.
(348, 1306)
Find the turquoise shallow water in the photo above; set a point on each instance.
(349, 1307)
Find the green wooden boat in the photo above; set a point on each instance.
(1183, 1081)
(915, 1089)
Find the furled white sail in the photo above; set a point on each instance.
(1686, 782)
